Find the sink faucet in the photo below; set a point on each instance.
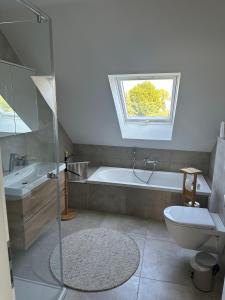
(148, 161)
(16, 159)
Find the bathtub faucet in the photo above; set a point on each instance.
(15, 160)
(148, 161)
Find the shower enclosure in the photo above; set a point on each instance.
(33, 177)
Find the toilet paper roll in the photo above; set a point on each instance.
(189, 185)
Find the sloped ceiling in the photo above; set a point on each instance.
(95, 38)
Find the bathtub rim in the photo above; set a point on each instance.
(141, 185)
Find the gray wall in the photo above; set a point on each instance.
(65, 143)
(6, 51)
(37, 52)
(170, 160)
(212, 164)
(38, 145)
(94, 38)
(218, 184)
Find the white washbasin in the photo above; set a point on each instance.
(23, 181)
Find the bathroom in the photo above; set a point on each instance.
(93, 198)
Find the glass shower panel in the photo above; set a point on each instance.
(12, 10)
(18, 100)
(34, 180)
(25, 99)
(7, 114)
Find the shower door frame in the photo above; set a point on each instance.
(41, 17)
(6, 284)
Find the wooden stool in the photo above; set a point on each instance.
(186, 193)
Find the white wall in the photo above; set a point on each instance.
(218, 189)
(94, 38)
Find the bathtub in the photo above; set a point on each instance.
(160, 180)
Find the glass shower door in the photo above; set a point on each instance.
(33, 178)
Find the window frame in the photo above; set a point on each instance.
(142, 129)
(150, 76)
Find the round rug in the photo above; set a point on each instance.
(96, 259)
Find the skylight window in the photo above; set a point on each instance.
(146, 99)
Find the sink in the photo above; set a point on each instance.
(21, 182)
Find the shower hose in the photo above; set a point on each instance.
(135, 174)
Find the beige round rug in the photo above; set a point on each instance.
(96, 259)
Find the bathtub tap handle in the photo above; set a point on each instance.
(134, 159)
(155, 163)
(149, 161)
(134, 156)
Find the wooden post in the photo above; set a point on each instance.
(68, 213)
(186, 193)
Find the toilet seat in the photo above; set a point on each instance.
(190, 217)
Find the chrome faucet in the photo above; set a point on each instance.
(16, 159)
(148, 161)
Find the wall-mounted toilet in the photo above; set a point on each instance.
(195, 228)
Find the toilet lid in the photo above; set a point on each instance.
(205, 259)
(190, 216)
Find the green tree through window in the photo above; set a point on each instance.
(4, 105)
(145, 100)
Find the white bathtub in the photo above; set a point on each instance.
(163, 181)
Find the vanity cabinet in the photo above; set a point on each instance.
(30, 216)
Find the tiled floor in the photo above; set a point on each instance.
(26, 289)
(163, 273)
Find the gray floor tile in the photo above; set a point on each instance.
(159, 290)
(161, 259)
(141, 243)
(33, 264)
(127, 224)
(158, 230)
(84, 220)
(166, 261)
(26, 290)
(127, 291)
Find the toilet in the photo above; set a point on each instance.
(195, 228)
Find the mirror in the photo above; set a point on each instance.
(18, 99)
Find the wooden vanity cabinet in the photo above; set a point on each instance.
(30, 216)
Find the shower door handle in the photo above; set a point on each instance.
(10, 264)
(52, 175)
